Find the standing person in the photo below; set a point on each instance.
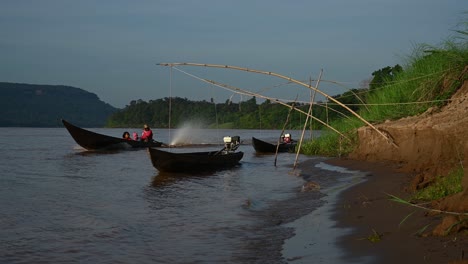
(147, 134)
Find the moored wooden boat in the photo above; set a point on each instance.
(193, 161)
(94, 141)
(261, 146)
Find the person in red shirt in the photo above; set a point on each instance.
(126, 136)
(147, 134)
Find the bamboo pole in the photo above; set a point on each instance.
(326, 110)
(305, 125)
(312, 100)
(170, 105)
(282, 131)
(240, 91)
(286, 78)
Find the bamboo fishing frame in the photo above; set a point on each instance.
(241, 92)
(389, 140)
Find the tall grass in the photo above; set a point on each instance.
(431, 76)
(332, 144)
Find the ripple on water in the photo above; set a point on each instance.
(67, 205)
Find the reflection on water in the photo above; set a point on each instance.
(63, 204)
(163, 179)
(84, 152)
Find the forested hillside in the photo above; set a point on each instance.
(28, 105)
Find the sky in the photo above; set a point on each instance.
(112, 47)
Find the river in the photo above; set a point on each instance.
(62, 204)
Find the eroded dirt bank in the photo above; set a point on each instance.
(429, 145)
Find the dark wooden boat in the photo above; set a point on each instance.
(190, 162)
(94, 141)
(261, 146)
(198, 161)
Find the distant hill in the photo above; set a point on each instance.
(31, 105)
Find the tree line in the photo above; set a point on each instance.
(175, 112)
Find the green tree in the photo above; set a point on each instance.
(384, 76)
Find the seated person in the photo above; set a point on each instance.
(147, 134)
(287, 138)
(135, 136)
(126, 135)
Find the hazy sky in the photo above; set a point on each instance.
(111, 47)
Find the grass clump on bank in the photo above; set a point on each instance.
(332, 144)
(442, 186)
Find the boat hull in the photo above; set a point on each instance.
(261, 146)
(95, 141)
(194, 161)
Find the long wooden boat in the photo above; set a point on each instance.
(94, 141)
(191, 162)
(261, 146)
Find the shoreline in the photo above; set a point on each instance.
(429, 144)
(400, 232)
(316, 233)
(358, 223)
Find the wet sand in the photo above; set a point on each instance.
(360, 224)
(388, 231)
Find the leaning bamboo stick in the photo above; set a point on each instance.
(305, 125)
(350, 90)
(286, 78)
(282, 131)
(312, 100)
(240, 91)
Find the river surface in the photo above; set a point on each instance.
(62, 204)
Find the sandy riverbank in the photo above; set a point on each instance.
(384, 231)
(367, 209)
(425, 147)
